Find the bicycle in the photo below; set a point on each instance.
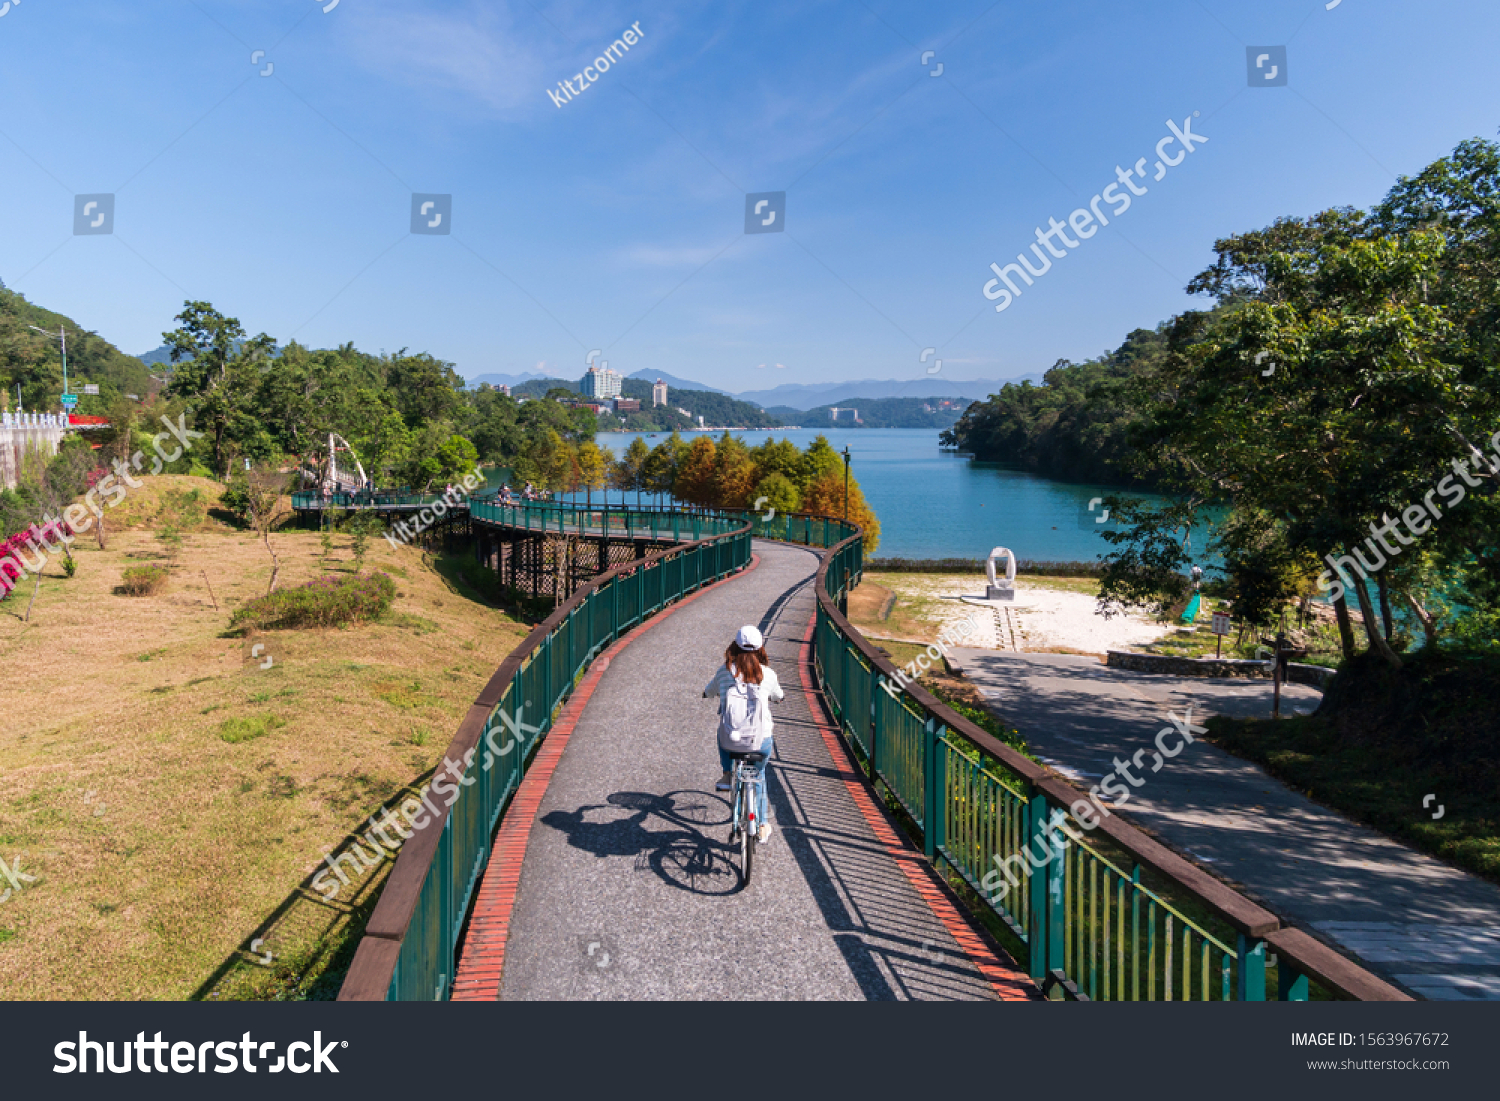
(743, 824)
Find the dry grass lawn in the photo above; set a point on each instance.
(171, 797)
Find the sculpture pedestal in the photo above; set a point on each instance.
(999, 592)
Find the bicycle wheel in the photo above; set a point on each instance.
(747, 850)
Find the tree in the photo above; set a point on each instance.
(217, 369)
(734, 473)
(425, 389)
(775, 456)
(825, 497)
(779, 493)
(263, 493)
(659, 471)
(593, 465)
(548, 460)
(1149, 570)
(456, 457)
(695, 478)
(629, 470)
(1370, 394)
(819, 459)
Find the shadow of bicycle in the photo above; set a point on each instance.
(665, 833)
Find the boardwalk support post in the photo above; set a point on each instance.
(1290, 986)
(1252, 970)
(1056, 910)
(930, 806)
(1036, 840)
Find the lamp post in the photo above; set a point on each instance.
(62, 335)
(846, 483)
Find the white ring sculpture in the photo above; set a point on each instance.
(997, 590)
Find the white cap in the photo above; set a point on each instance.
(749, 638)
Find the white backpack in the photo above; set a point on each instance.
(743, 714)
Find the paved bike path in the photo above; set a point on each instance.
(1414, 919)
(628, 889)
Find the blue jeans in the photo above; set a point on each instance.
(727, 763)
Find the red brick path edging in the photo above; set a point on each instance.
(482, 952)
(1010, 982)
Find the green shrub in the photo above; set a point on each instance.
(236, 498)
(327, 602)
(142, 580)
(239, 730)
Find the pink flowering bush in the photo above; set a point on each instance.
(24, 543)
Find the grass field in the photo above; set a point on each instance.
(172, 789)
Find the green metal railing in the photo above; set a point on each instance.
(1073, 893)
(408, 949)
(614, 521)
(309, 500)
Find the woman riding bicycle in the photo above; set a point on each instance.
(745, 685)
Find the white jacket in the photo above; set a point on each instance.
(752, 735)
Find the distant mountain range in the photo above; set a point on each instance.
(682, 383)
(156, 356)
(807, 396)
(802, 397)
(506, 380)
(922, 412)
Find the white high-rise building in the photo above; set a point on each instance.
(658, 393)
(601, 382)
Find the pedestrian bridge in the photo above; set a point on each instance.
(581, 851)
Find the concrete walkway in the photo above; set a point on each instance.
(628, 889)
(1413, 919)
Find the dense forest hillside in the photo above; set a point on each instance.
(1073, 426)
(881, 413)
(33, 361)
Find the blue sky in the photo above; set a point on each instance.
(617, 220)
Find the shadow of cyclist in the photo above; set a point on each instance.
(684, 857)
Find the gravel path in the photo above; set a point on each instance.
(628, 890)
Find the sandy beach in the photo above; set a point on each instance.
(1045, 615)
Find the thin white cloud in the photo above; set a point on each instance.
(470, 48)
(668, 256)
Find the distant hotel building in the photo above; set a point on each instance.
(601, 382)
(849, 414)
(658, 393)
(627, 405)
(504, 389)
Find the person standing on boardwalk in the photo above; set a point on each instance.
(746, 684)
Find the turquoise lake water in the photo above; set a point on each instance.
(937, 504)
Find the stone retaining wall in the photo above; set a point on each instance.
(1314, 675)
